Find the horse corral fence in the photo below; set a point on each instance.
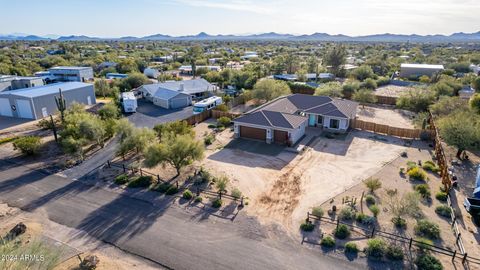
(373, 231)
(389, 130)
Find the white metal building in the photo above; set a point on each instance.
(39, 102)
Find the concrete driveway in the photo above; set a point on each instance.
(149, 115)
(8, 122)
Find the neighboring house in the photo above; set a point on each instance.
(151, 72)
(309, 76)
(11, 82)
(107, 64)
(66, 74)
(475, 69)
(39, 102)
(249, 55)
(284, 119)
(115, 76)
(176, 94)
(418, 70)
(187, 70)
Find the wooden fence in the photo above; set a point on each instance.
(389, 130)
(198, 118)
(386, 100)
(217, 114)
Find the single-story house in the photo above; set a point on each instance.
(284, 119)
(418, 70)
(176, 94)
(39, 102)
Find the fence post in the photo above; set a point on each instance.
(308, 217)
(361, 202)
(124, 170)
(158, 178)
(241, 202)
(141, 173)
(410, 244)
(176, 183)
(373, 232)
(458, 237)
(454, 220)
(454, 254)
(338, 222)
(464, 258)
(198, 191)
(108, 163)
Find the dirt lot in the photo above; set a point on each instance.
(386, 116)
(57, 236)
(282, 188)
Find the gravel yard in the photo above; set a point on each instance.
(386, 116)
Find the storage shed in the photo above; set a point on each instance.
(39, 102)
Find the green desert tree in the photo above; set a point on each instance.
(330, 89)
(268, 89)
(460, 129)
(475, 103)
(364, 96)
(178, 151)
(336, 58)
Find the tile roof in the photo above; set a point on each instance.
(283, 112)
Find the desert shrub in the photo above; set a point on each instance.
(224, 121)
(45, 123)
(430, 166)
(172, 190)
(217, 203)
(411, 165)
(427, 229)
(443, 210)
(222, 107)
(121, 179)
(423, 190)
(351, 247)
(236, 193)
(424, 242)
(441, 196)
(369, 199)
(7, 140)
(394, 252)
(307, 226)
(399, 222)
(342, 231)
(141, 181)
(369, 84)
(317, 211)
(347, 213)
(187, 194)
(198, 199)
(28, 145)
(375, 210)
(328, 242)
(162, 188)
(426, 261)
(212, 126)
(417, 174)
(365, 219)
(209, 139)
(373, 184)
(376, 248)
(206, 175)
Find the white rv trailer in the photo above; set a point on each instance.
(206, 104)
(129, 102)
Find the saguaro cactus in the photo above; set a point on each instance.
(61, 104)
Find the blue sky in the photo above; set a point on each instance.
(115, 18)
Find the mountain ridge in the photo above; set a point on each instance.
(385, 37)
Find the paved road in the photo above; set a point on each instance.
(164, 232)
(149, 115)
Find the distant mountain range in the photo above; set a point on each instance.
(456, 37)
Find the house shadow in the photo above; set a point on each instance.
(28, 177)
(149, 109)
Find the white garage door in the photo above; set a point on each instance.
(23, 108)
(5, 108)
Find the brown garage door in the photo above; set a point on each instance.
(280, 137)
(253, 133)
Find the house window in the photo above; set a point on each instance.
(320, 120)
(334, 123)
